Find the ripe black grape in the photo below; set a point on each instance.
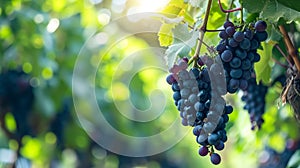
(194, 92)
(238, 52)
(254, 97)
(215, 158)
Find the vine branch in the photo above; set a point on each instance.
(227, 11)
(290, 47)
(283, 54)
(202, 32)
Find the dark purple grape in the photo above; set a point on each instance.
(220, 146)
(256, 57)
(254, 44)
(248, 34)
(212, 139)
(223, 35)
(228, 24)
(203, 151)
(261, 36)
(235, 62)
(175, 87)
(232, 43)
(220, 48)
(234, 83)
(226, 56)
(176, 96)
(242, 54)
(228, 109)
(260, 26)
(185, 59)
(245, 44)
(238, 36)
(243, 84)
(246, 64)
(215, 159)
(236, 73)
(230, 31)
(170, 79)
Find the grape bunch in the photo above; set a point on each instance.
(238, 52)
(194, 92)
(254, 97)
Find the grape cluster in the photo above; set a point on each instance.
(238, 52)
(194, 92)
(254, 97)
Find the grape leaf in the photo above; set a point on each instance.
(263, 67)
(184, 41)
(273, 33)
(175, 8)
(165, 35)
(272, 10)
(196, 3)
(291, 4)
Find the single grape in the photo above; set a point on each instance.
(236, 73)
(234, 83)
(246, 64)
(245, 44)
(235, 62)
(226, 56)
(228, 24)
(233, 43)
(215, 158)
(260, 26)
(242, 54)
(238, 36)
(243, 84)
(248, 34)
(223, 35)
(170, 79)
(228, 109)
(230, 31)
(220, 48)
(176, 96)
(261, 36)
(203, 151)
(220, 146)
(254, 44)
(212, 139)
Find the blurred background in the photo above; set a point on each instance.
(40, 43)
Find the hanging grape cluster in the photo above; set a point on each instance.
(238, 52)
(194, 92)
(254, 97)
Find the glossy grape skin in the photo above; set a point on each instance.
(215, 158)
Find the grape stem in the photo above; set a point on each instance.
(279, 63)
(290, 47)
(283, 54)
(201, 33)
(228, 11)
(228, 14)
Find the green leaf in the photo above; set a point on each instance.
(184, 41)
(274, 34)
(165, 35)
(291, 4)
(263, 67)
(175, 8)
(272, 10)
(294, 160)
(197, 3)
